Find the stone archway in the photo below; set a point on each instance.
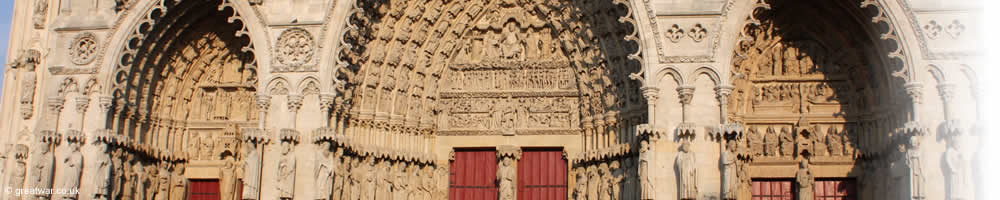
(816, 87)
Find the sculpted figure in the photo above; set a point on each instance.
(339, 174)
(368, 181)
(41, 10)
(101, 166)
(916, 169)
(324, 172)
(771, 142)
(645, 155)
(208, 148)
(804, 179)
(819, 145)
(18, 173)
(41, 168)
(251, 177)
(415, 184)
(399, 183)
(442, 175)
(227, 182)
(730, 182)
(512, 47)
(687, 170)
(73, 168)
(428, 182)
(357, 175)
(955, 171)
(756, 142)
(382, 187)
(580, 192)
(163, 184)
(286, 171)
(604, 179)
(505, 175)
(178, 183)
(835, 141)
(787, 142)
(593, 183)
(128, 179)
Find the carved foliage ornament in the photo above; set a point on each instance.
(84, 49)
(295, 47)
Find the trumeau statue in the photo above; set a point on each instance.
(687, 172)
(505, 177)
(227, 182)
(730, 181)
(804, 181)
(42, 168)
(286, 171)
(324, 172)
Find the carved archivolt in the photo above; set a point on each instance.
(84, 48)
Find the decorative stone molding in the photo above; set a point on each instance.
(289, 135)
(686, 131)
(686, 93)
(62, 70)
(509, 151)
(294, 102)
(675, 33)
(82, 102)
(84, 48)
(915, 91)
(40, 13)
(294, 49)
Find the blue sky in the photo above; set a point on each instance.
(6, 12)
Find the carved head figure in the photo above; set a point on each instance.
(324, 147)
(686, 147)
(643, 146)
(803, 164)
(286, 147)
(339, 152)
(370, 161)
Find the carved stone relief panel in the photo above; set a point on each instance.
(294, 50)
(84, 48)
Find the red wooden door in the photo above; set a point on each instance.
(835, 189)
(771, 190)
(204, 189)
(473, 175)
(541, 175)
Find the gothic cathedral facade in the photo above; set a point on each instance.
(492, 99)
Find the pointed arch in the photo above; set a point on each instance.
(709, 71)
(672, 71)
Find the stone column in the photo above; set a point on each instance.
(722, 93)
(263, 104)
(685, 129)
(947, 93)
(325, 106)
(294, 103)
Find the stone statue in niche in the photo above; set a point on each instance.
(506, 175)
(820, 143)
(72, 169)
(286, 171)
(41, 10)
(804, 181)
(442, 175)
(580, 192)
(770, 142)
(512, 46)
(756, 142)
(955, 170)
(428, 182)
(128, 179)
(42, 168)
(227, 182)
(645, 156)
(101, 166)
(835, 141)
(687, 172)
(324, 172)
(730, 181)
(414, 182)
(251, 177)
(787, 142)
(18, 173)
(207, 148)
